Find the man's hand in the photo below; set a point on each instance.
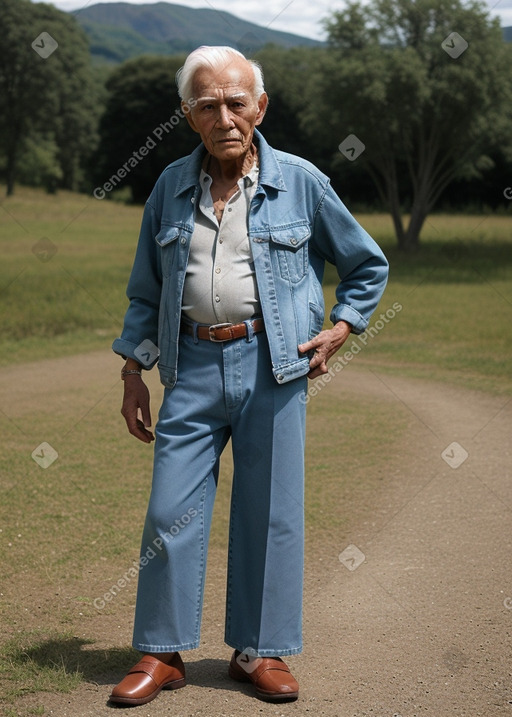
(135, 408)
(325, 344)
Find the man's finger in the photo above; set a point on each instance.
(138, 430)
(146, 415)
(318, 371)
(308, 346)
(143, 433)
(136, 426)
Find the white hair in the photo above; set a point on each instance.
(214, 58)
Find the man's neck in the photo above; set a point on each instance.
(229, 172)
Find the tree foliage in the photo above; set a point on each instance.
(425, 116)
(142, 110)
(45, 97)
(286, 72)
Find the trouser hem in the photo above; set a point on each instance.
(165, 648)
(267, 652)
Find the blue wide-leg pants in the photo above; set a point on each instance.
(226, 390)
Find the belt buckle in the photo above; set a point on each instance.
(213, 328)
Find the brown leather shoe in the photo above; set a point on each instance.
(270, 675)
(146, 680)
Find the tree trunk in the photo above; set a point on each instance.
(10, 171)
(401, 235)
(419, 212)
(14, 145)
(416, 221)
(393, 199)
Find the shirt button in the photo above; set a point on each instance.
(217, 270)
(217, 299)
(221, 241)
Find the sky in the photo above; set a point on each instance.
(302, 17)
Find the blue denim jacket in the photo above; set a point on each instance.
(296, 222)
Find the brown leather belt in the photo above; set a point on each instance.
(222, 332)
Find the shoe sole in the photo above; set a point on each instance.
(174, 685)
(266, 696)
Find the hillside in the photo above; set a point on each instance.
(120, 31)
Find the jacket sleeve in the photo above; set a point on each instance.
(139, 339)
(361, 265)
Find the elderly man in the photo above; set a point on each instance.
(226, 283)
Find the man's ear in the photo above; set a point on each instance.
(187, 111)
(262, 108)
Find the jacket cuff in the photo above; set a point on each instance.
(343, 312)
(146, 355)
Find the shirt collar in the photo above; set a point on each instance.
(248, 179)
(252, 175)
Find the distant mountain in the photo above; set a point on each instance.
(120, 31)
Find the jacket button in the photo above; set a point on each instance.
(183, 240)
(293, 241)
(280, 377)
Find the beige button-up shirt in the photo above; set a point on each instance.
(220, 283)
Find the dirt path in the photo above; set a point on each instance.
(414, 618)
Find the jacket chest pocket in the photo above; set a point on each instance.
(167, 239)
(291, 246)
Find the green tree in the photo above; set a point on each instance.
(428, 105)
(38, 165)
(285, 70)
(143, 128)
(46, 89)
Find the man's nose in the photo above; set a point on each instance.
(225, 120)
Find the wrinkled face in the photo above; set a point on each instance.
(226, 112)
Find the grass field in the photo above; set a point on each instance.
(66, 260)
(69, 532)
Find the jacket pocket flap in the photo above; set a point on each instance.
(166, 235)
(291, 237)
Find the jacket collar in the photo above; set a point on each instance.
(270, 172)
